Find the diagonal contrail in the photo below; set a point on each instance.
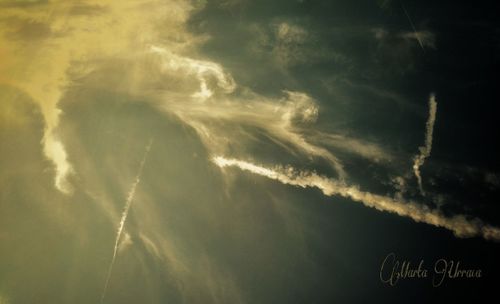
(425, 151)
(126, 209)
(460, 225)
(417, 35)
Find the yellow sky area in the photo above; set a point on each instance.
(12, 115)
(41, 42)
(4, 62)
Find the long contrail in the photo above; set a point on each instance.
(417, 35)
(425, 151)
(458, 224)
(128, 203)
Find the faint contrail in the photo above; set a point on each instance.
(417, 35)
(128, 203)
(425, 151)
(458, 224)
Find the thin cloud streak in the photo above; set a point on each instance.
(417, 34)
(128, 204)
(425, 151)
(458, 224)
(360, 147)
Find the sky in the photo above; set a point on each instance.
(237, 151)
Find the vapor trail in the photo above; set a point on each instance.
(458, 224)
(417, 35)
(126, 209)
(425, 151)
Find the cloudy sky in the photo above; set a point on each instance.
(245, 151)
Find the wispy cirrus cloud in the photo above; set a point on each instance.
(223, 114)
(356, 146)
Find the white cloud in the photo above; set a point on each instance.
(55, 151)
